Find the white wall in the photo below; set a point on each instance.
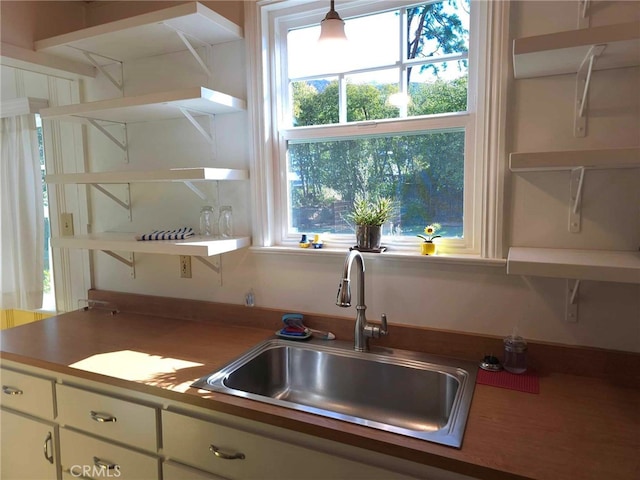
(471, 299)
(541, 117)
(23, 22)
(476, 299)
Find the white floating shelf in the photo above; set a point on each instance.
(599, 265)
(563, 52)
(144, 35)
(126, 242)
(567, 160)
(32, 61)
(153, 106)
(22, 106)
(172, 175)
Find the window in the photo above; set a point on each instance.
(48, 297)
(402, 117)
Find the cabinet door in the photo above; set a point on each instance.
(241, 455)
(108, 417)
(27, 393)
(28, 448)
(82, 455)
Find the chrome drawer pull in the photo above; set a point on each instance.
(48, 441)
(102, 417)
(102, 464)
(225, 456)
(11, 390)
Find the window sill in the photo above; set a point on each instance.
(398, 255)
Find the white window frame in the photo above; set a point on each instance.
(268, 20)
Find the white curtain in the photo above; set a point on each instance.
(21, 215)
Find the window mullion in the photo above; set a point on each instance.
(413, 124)
(402, 71)
(342, 99)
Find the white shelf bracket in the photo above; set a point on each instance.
(196, 190)
(198, 58)
(191, 49)
(215, 266)
(118, 84)
(583, 80)
(583, 14)
(576, 183)
(197, 125)
(124, 204)
(129, 262)
(121, 145)
(571, 310)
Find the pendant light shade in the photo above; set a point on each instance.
(332, 27)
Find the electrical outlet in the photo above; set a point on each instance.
(185, 266)
(66, 224)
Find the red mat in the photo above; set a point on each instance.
(526, 382)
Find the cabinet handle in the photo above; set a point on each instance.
(48, 441)
(98, 462)
(11, 390)
(102, 417)
(225, 456)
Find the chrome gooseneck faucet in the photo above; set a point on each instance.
(363, 330)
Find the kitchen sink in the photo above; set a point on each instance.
(403, 392)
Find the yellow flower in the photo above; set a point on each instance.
(430, 231)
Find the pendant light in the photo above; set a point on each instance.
(332, 50)
(332, 27)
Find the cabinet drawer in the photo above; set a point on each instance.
(191, 440)
(27, 393)
(176, 471)
(82, 455)
(109, 417)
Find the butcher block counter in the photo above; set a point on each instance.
(577, 427)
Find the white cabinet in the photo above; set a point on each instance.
(103, 431)
(237, 454)
(29, 448)
(29, 439)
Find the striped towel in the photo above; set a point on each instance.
(176, 234)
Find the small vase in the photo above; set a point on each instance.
(427, 248)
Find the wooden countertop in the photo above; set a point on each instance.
(576, 428)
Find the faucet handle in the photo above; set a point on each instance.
(383, 324)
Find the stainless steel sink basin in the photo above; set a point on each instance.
(403, 392)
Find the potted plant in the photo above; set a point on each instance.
(368, 217)
(428, 247)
